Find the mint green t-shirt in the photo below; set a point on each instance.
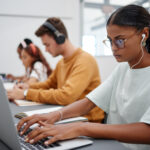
(125, 97)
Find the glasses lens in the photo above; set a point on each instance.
(119, 43)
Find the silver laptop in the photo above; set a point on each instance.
(9, 134)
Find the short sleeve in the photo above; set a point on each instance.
(146, 117)
(101, 96)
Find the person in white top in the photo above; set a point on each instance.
(37, 66)
(22, 45)
(124, 96)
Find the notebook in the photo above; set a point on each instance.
(25, 103)
(9, 85)
(16, 142)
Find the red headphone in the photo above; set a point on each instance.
(33, 48)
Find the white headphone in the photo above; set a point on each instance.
(143, 36)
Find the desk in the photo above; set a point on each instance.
(98, 144)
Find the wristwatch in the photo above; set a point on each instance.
(25, 93)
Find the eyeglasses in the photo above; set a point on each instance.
(119, 43)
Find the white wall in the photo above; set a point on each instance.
(20, 18)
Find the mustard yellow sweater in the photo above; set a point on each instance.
(72, 79)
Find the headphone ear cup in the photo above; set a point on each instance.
(60, 38)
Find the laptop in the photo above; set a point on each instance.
(10, 136)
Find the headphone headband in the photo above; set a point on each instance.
(59, 37)
(23, 43)
(49, 26)
(33, 48)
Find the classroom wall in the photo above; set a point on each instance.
(20, 18)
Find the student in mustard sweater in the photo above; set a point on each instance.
(76, 74)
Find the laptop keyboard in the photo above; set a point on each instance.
(37, 146)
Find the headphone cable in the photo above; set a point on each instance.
(140, 58)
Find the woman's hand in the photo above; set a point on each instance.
(48, 118)
(55, 132)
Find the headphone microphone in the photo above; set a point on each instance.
(59, 37)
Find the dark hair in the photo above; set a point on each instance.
(132, 16)
(57, 23)
(20, 46)
(36, 53)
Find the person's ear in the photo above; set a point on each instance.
(146, 33)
